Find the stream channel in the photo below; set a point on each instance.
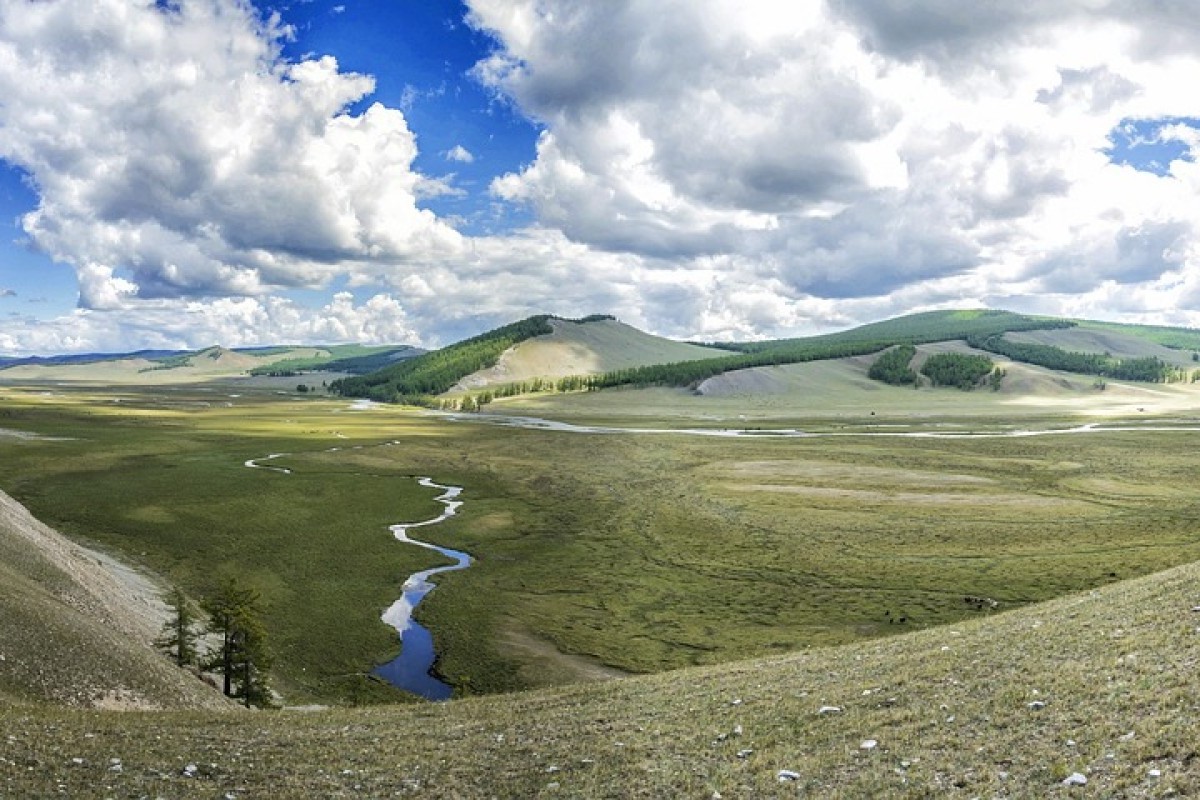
(412, 670)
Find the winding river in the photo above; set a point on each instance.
(537, 423)
(412, 670)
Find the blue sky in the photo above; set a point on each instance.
(179, 174)
(421, 53)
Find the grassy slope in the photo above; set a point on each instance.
(1115, 340)
(71, 634)
(948, 707)
(840, 390)
(585, 349)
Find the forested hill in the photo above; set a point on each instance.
(923, 328)
(417, 379)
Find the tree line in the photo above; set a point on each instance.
(1149, 368)
(231, 621)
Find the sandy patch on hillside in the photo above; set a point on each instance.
(115, 593)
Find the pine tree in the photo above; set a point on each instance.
(178, 635)
(241, 656)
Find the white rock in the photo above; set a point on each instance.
(737, 730)
(1155, 773)
(744, 753)
(786, 775)
(1075, 779)
(1037, 705)
(1125, 737)
(829, 710)
(868, 744)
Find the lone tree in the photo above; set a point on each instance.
(178, 637)
(241, 656)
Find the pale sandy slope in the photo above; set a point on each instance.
(76, 627)
(841, 389)
(584, 349)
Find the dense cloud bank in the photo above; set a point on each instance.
(705, 168)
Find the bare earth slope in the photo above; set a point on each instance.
(76, 627)
(584, 349)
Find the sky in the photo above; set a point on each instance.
(182, 173)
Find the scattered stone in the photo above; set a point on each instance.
(1075, 779)
(552, 785)
(189, 770)
(1155, 773)
(829, 710)
(744, 753)
(787, 775)
(716, 796)
(77, 761)
(1070, 742)
(737, 701)
(552, 769)
(1037, 705)
(868, 744)
(1196, 609)
(737, 730)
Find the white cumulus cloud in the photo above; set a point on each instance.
(176, 155)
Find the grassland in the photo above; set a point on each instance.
(642, 553)
(953, 712)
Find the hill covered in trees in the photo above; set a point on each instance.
(420, 380)
(417, 379)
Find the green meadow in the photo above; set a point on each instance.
(594, 553)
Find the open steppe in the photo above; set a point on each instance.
(996, 588)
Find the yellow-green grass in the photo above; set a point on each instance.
(643, 553)
(953, 712)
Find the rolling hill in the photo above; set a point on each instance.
(159, 368)
(76, 627)
(582, 348)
